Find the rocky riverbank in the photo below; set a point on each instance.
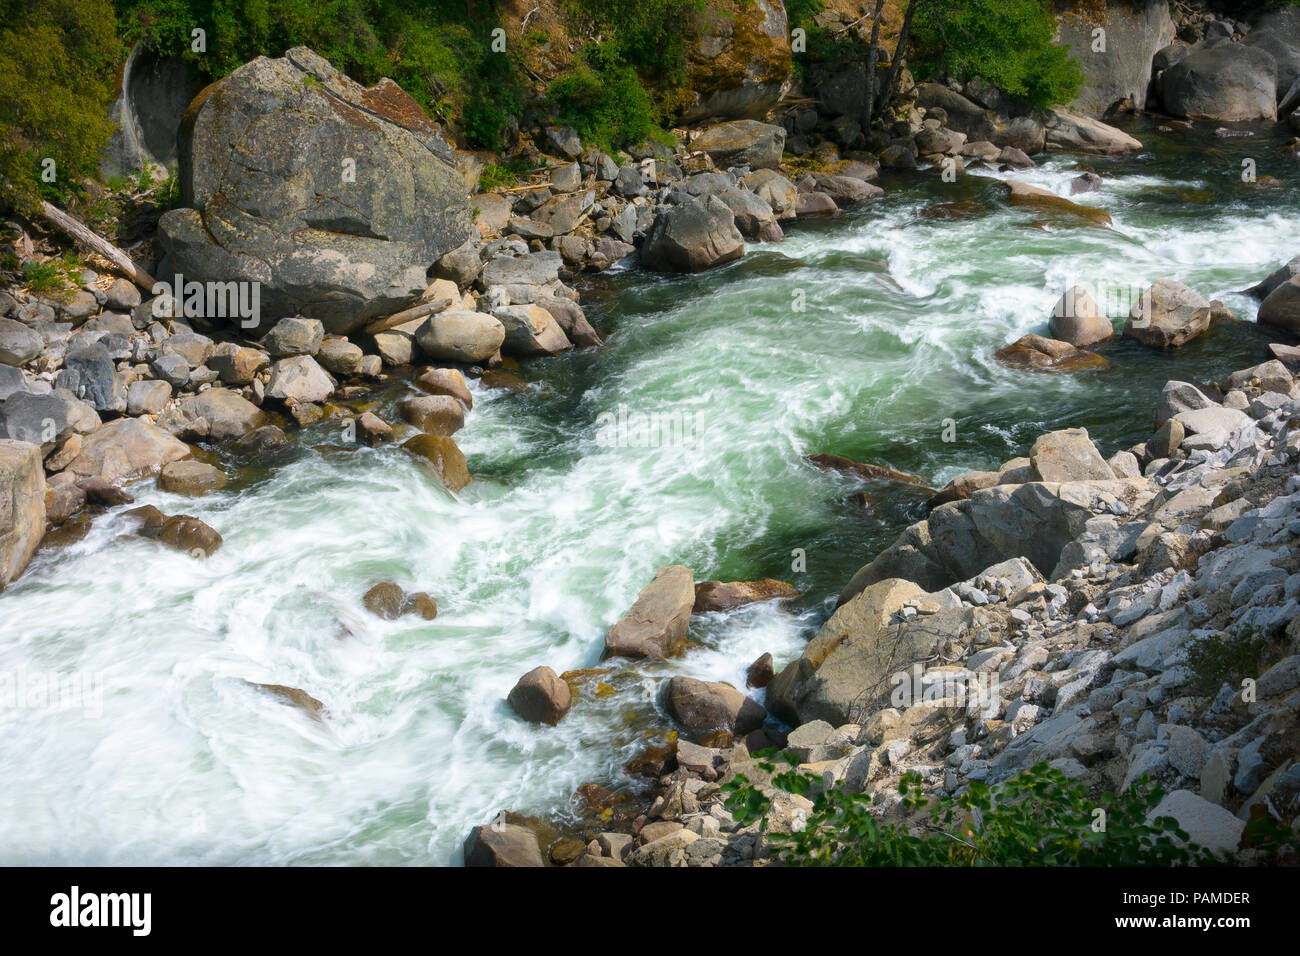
(1162, 644)
(1120, 614)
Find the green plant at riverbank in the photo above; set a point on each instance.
(603, 99)
(1005, 42)
(1037, 818)
(57, 74)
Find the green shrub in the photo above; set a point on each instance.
(800, 13)
(1006, 42)
(1037, 818)
(604, 101)
(57, 78)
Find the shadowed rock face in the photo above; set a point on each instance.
(335, 197)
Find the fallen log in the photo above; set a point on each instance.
(82, 234)
(407, 315)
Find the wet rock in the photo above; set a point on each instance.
(540, 697)
(443, 457)
(434, 414)
(760, 673)
(1281, 308)
(97, 491)
(571, 320)
(190, 478)
(295, 697)
(1035, 353)
(728, 595)
(502, 845)
(1079, 320)
(22, 506)
(703, 707)
(445, 381)
(261, 442)
(1168, 315)
(1023, 194)
(655, 625)
(373, 430)
(388, 601)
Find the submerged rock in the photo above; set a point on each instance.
(502, 845)
(443, 457)
(1036, 353)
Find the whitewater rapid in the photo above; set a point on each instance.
(183, 762)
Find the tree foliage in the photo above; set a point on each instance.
(58, 64)
(1005, 42)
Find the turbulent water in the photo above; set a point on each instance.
(182, 761)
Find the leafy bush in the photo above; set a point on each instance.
(1006, 42)
(603, 99)
(57, 78)
(1037, 818)
(800, 13)
(649, 35)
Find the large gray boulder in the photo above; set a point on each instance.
(22, 506)
(1135, 32)
(1168, 315)
(348, 197)
(1225, 81)
(1277, 33)
(743, 143)
(963, 115)
(18, 344)
(692, 237)
(1072, 133)
(1275, 279)
(1281, 308)
(1034, 520)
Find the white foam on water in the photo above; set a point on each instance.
(537, 558)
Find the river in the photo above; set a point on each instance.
(889, 360)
